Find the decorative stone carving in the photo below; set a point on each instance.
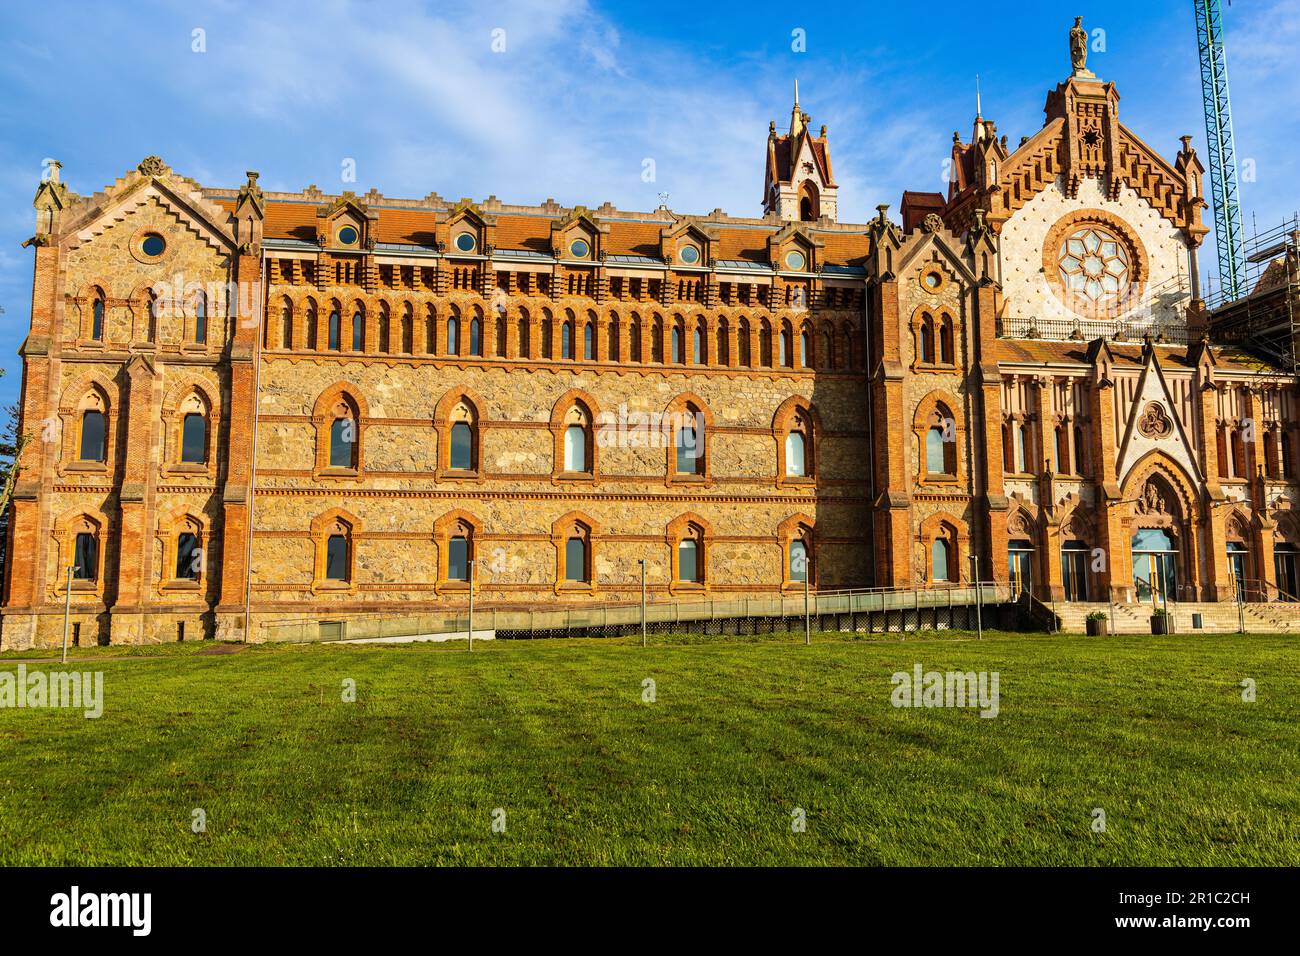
(932, 222)
(152, 166)
(1155, 423)
(1152, 501)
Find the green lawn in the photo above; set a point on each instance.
(1152, 730)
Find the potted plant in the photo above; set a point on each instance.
(1160, 621)
(1096, 624)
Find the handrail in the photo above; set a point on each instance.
(1283, 596)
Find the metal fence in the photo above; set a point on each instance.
(875, 609)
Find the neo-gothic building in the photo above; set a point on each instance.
(255, 407)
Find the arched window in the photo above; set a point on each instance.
(722, 354)
(358, 331)
(85, 557)
(677, 345)
(765, 345)
(1080, 461)
(337, 565)
(385, 329)
(589, 342)
(742, 341)
(611, 338)
(1062, 434)
(453, 335)
(657, 342)
(189, 557)
(475, 337)
(201, 318)
(97, 319)
(194, 438)
(798, 559)
(524, 349)
(462, 446)
(93, 436)
(940, 552)
(458, 558)
(795, 464)
(805, 346)
(286, 328)
(690, 448)
(785, 349)
(927, 339)
(686, 536)
(566, 340)
(343, 442)
(313, 333)
(792, 428)
(697, 346)
(634, 340)
(688, 565)
(575, 559)
(408, 329)
(1238, 458)
(334, 332)
(936, 459)
(575, 449)
(946, 354)
(1024, 446)
(827, 358)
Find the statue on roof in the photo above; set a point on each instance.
(1079, 48)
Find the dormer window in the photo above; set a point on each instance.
(690, 255)
(466, 242)
(348, 236)
(795, 260)
(579, 249)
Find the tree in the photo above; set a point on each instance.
(12, 443)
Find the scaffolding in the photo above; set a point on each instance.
(1265, 320)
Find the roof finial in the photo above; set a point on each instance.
(797, 116)
(979, 112)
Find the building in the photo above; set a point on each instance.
(257, 408)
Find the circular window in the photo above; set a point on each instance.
(153, 245)
(795, 260)
(932, 280)
(466, 242)
(579, 249)
(690, 255)
(347, 236)
(1094, 265)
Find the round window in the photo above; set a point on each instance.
(153, 245)
(579, 249)
(347, 236)
(466, 242)
(795, 260)
(690, 255)
(932, 280)
(1094, 265)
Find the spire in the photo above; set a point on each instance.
(796, 114)
(979, 111)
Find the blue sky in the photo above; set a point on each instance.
(584, 92)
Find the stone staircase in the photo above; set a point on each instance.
(1216, 618)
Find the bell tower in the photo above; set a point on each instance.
(798, 185)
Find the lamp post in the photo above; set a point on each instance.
(67, 613)
(643, 643)
(807, 618)
(471, 605)
(979, 613)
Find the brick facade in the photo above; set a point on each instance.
(327, 404)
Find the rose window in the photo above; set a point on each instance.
(1094, 265)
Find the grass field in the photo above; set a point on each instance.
(1152, 730)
